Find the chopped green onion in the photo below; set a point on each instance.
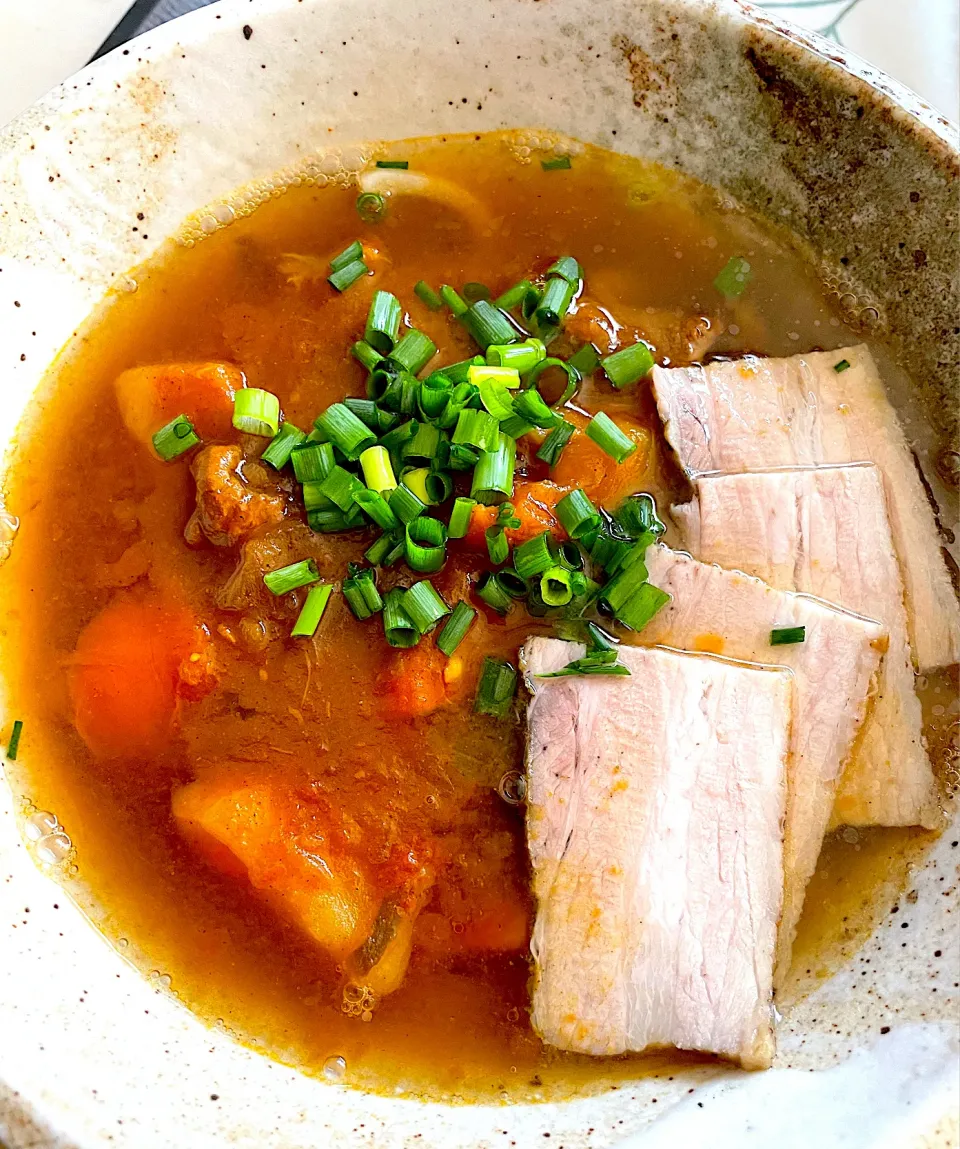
(629, 366)
(405, 504)
(570, 556)
(643, 606)
(555, 442)
(360, 591)
(606, 551)
(497, 686)
(588, 666)
(733, 279)
(455, 628)
(439, 487)
(622, 587)
(498, 546)
(399, 165)
(398, 627)
(609, 438)
(414, 351)
(521, 357)
(507, 377)
(383, 321)
(277, 452)
(637, 514)
(573, 378)
(536, 555)
(493, 474)
(586, 360)
(365, 354)
(555, 586)
(334, 520)
(314, 498)
(460, 372)
(176, 438)
(435, 390)
(290, 577)
(425, 544)
(557, 164)
(841, 366)
(531, 406)
(516, 427)
(490, 591)
(474, 291)
(462, 458)
(787, 635)
(348, 276)
(256, 412)
(312, 611)
(511, 583)
(378, 550)
(577, 514)
(350, 254)
(341, 488)
(368, 412)
(495, 397)
(350, 435)
(514, 295)
(17, 729)
(567, 268)
(373, 504)
(377, 470)
(555, 302)
(424, 606)
(451, 297)
(477, 429)
(312, 462)
(460, 516)
(585, 591)
(415, 479)
(488, 325)
(371, 207)
(531, 301)
(422, 447)
(425, 293)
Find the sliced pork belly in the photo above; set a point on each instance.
(824, 531)
(733, 614)
(753, 414)
(655, 805)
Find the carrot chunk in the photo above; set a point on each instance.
(583, 464)
(415, 682)
(533, 505)
(150, 397)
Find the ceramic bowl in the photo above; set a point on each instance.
(97, 175)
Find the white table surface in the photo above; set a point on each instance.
(917, 41)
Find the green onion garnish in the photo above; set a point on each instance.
(374, 505)
(628, 366)
(557, 164)
(371, 207)
(455, 628)
(256, 412)
(497, 686)
(399, 165)
(511, 583)
(424, 606)
(398, 626)
(567, 268)
(516, 427)
(414, 351)
(623, 586)
(425, 293)
(570, 556)
(377, 469)
(365, 354)
(348, 276)
(573, 378)
(514, 296)
(451, 297)
(315, 499)
(425, 544)
(489, 590)
(638, 611)
(554, 443)
(474, 291)
(577, 514)
(494, 394)
(637, 514)
(609, 438)
(588, 665)
(277, 452)
(435, 390)
(493, 475)
(14, 744)
(787, 635)
(350, 254)
(341, 488)
(350, 435)
(460, 517)
(405, 504)
(360, 592)
(312, 462)
(415, 479)
(555, 302)
(487, 325)
(422, 445)
(383, 322)
(498, 547)
(329, 521)
(521, 357)
(459, 372)
(841, 366)
(733, 279)
(536, 555)
(290, 577)
(312, 611)
(477, 429)
(556, 586)
(531, 407)
(381, 547)
(176, 438)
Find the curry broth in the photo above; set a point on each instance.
(310, 712)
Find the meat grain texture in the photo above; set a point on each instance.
(655, 807)
(824, 531)
(752, 413)
(733, 614)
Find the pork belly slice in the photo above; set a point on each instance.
(825, 531)
(655, 805)
(733, 614)
(753, 414)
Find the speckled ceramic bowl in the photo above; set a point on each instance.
(99, 173)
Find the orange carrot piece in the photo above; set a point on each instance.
(150, 397)
(583, 464)
(533, 505)
(415, 683)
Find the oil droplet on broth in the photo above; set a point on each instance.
(335, 1068)
(54, 848)
(39, 825)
